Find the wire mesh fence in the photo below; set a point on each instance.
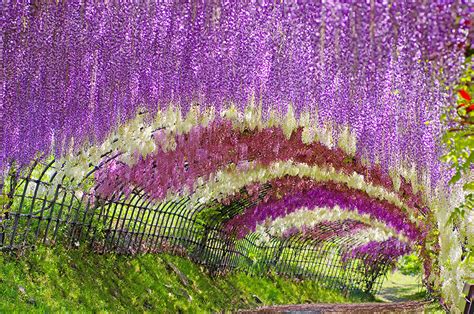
(40, 210)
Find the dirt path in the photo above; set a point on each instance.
(395, 307)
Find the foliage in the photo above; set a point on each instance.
(409, 265)
(459, 138)
(456, 228)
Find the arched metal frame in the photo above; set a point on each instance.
(41, 211)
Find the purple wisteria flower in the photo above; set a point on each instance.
(321, 196)
(74, 70)
(373, 252)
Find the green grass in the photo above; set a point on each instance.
(55, 279)
(400, 287)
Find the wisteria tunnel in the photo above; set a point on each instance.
(334, 250)
(297, 138)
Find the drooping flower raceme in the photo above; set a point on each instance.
(319, 196)
(77, 70)
(374, 251)
(308, 218)
(204, 150)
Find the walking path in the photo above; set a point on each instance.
(395, 307)
(400, 293)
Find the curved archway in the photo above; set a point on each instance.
(345, 102)
(213, 214)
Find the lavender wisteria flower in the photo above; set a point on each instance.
(374, 251)
(73, 71)
(321, 196)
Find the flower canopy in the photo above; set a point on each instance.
(321, 109)
(74, 71)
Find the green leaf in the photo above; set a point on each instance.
(456, 177)
(469, 186)
(3, 199)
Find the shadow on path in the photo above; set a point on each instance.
(398, 288)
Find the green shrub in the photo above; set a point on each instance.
(409, 265)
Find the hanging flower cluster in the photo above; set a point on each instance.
(307, 218)
(77, 70)
(217, 160)
(229, 182)
(180, 160)
(373, 252)
(325, 195)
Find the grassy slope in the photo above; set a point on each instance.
(55, 279)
